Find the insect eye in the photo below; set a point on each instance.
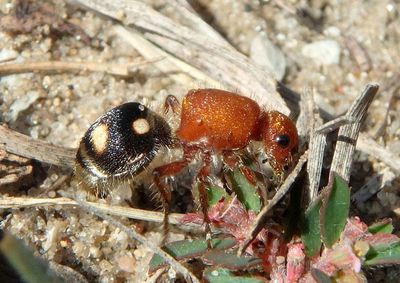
(283, 140)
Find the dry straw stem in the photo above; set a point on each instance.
(175, 68)
(262, 217)
(28, 147)
(132, 213)
(348, 134)
(309, 116)
(316, 156)
(197, 45)
(65, 66)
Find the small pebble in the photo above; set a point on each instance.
(8, 54)
(22, 104)
(324, 52)
(126, 263)
(94, 252)
(51, 194)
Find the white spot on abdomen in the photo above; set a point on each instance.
(140, 126)
(99, 138)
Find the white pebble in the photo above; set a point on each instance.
(22, 104)
(8, 54)
(324, 52)
(332, 31)
(126, 263)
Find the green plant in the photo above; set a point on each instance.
(331, 247)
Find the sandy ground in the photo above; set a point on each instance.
(335, 48)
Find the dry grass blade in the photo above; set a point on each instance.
(196, 23)
(26, 146)
(64, 66)
(359, 54)
(175, 68)
(132, 213)
(348, 134)
(218, 61)
(309, 119)
(259, 222)
(334, 124)
(316, 156)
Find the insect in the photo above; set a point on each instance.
(120, 144)
(123, 141)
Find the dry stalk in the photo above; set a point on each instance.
(132, 213)
(65, 66)
(309, 110)
(43, 151)
(348, 134)
(316, 156)
(178, 70)
(334, 124)
(262, 217)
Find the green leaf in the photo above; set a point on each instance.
(383, 226)
(221, 275)
(320, 276)
(383, 254)
(334, 210)
(311, 234)
(214, 194)
(247, 193)
(230, 260)
(188, 249)
(21, 258)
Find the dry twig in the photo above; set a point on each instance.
(65, 66)
(348, 134)
(316, 144)
(177, 69)
(259, 222)
(26, 146)
(358, 53)
(132, 213)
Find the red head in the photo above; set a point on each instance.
(280, 138)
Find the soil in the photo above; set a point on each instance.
(360, 43)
